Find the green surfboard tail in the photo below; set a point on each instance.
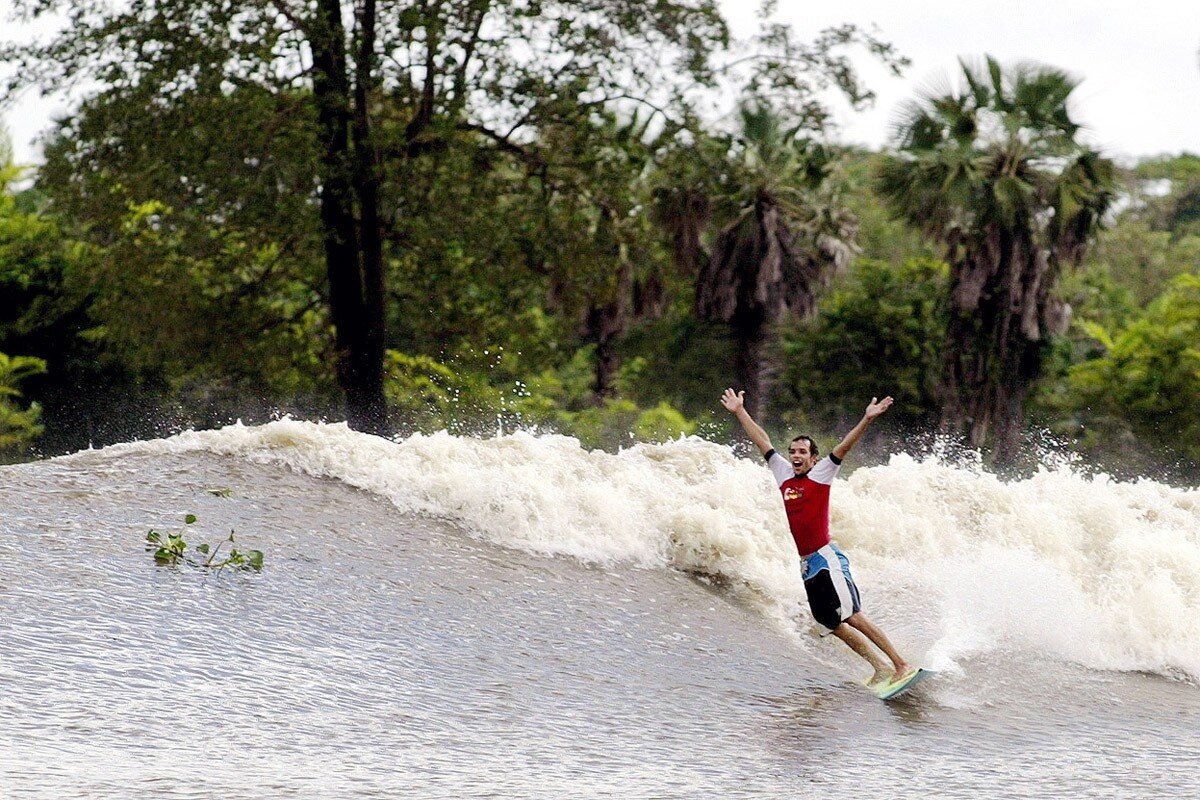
(892, 689)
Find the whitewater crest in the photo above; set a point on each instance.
(1079, 567)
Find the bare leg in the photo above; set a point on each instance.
(859, 622)
(859, 645)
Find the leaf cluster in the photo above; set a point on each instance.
(170, 549)
(19, 427)
(999, 152)
(1147, 379)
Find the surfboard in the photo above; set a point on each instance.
(888, 691)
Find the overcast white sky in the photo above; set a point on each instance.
(1140, 61)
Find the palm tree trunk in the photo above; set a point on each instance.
(752, 363)
(993, 343)
(954, 420)
(604, 325)
(966, 399)
(1010, 400)
(606, 368)
(1022, 368)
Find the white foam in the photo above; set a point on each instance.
(1083, 568)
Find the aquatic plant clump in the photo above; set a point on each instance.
(170, 549)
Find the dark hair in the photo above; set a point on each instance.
(812, 445)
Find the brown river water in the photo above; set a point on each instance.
(519, 618)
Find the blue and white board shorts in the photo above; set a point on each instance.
(832, 595)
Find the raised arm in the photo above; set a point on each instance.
(876, 408)
(734, 403)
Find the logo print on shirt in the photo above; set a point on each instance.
(792, 493)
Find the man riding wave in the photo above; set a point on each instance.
(805, 482)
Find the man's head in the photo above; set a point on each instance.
(803, 454)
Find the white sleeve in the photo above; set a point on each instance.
(780, 467)
(824, 470)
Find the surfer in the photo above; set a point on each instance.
(805, 482)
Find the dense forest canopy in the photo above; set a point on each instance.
(472, 214)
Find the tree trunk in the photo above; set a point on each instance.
(955, 419)
(1000, 290)
(604, 325)
(371, 410)
(968, 389)
(1009, 414)
(359, 371)
(752, 363)
(1022, 368)
(607, 366)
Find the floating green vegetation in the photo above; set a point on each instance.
(170, 549)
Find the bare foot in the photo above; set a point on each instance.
(882, 675)
(903, 670)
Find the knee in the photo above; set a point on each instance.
(844, 632)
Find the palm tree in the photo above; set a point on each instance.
(784, 237)
(612, 276)
(994, 171)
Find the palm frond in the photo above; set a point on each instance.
(999, 97)
(981, 92)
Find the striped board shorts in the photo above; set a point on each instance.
(832, 595)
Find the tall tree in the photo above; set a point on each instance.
(994, 170)
(602, 252)
(390, 82)
(349, 202)
(780, 227)
(783, 231)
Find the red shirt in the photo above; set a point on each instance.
(806, 500)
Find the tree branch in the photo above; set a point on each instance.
(504, 143)
(460, 75)
(424, 113)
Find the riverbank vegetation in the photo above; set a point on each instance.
(482, 215)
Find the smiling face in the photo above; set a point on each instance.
(803, 454)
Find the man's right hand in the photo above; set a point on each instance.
(733, 401)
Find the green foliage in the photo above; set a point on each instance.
(879, 331)
(1129, 268)
(428, 395)
(205, 250)
(514, 172)
(18, 426)
(1135, 266)
(1167, 194)
(662, 423)
(609, 425)
(620, 422)
(880, 235)
(1147, 382)
(203, 303)
(170, 549)
(546, 195)
(680, 360)
(559, 400)
(998, 155)
(90, 392)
